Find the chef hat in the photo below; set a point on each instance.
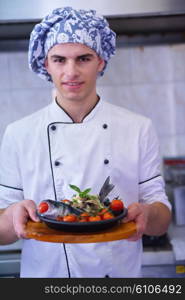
(67, 25)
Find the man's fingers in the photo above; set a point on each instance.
(30, 206)
(136, 213)
(22, 213)
(132, 214)
(20, 225)
(32, 214)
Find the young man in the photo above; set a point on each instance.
(79, 139)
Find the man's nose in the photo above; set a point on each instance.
(71, 69)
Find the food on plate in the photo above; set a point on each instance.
(65, 200)
(94, 218)
(107, 216)
(116, 205)
(83, 206)
(43, 207)
(84, 217)
(70, 218)
(53, 209)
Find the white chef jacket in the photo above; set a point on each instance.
(45, 152)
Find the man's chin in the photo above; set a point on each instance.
(70, 98)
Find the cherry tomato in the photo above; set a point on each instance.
(94, 218)
(65, 201)
(43, 207)
(83, 219)
(59, 218)
(116, 205)
(103, 211)
(70, 218)
(107, 216)
(85, 214)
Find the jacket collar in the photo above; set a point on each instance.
(58, 114)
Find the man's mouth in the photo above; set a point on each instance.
(73, 84)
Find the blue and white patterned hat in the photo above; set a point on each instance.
(67, 25)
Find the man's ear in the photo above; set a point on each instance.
(101, 65)
(46, 64)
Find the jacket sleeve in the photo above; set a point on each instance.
(11, 189)
(151, 182)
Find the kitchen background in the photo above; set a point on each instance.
(146, 79)
(147, 76)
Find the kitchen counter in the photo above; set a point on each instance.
(166, 254)
(164, 261)
(10, 260)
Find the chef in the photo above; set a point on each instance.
(79, 139)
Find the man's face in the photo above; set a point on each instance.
(74, 69)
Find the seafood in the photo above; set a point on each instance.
(81, 202)
(105, 190)
(92, 203)
(56, 208)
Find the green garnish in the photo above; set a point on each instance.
(82, 194)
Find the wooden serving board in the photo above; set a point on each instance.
(40, 231)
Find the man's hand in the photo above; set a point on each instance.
(21, 213)
(150, 219)
(139, 214)
(13, 221)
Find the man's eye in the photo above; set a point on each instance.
(84, 59)
(59, 60)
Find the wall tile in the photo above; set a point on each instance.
(179, 107)
(180, 144)
(6, 112)
(20, 74)
(177, 54)
(118, 70)
(16, 104)
(117, 95)
(155, 102)
(151, 64)
(25, 102)
(4, 72)
(168, 146)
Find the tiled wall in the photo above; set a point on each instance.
(149, 80)
(21, 91)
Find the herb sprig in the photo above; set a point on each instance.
(82, 194)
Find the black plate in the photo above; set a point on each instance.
(85, 226)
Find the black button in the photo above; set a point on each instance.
(106, 161)
(105, 126)
(57, 163)
(53, 127)
(107, 276)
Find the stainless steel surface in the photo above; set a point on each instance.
(36, 9)
(10, 264)
(15, 246)
(164, 271)
(162, 263)
(179, 205)
(10, 259)
(17, 18)
(174, 176)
